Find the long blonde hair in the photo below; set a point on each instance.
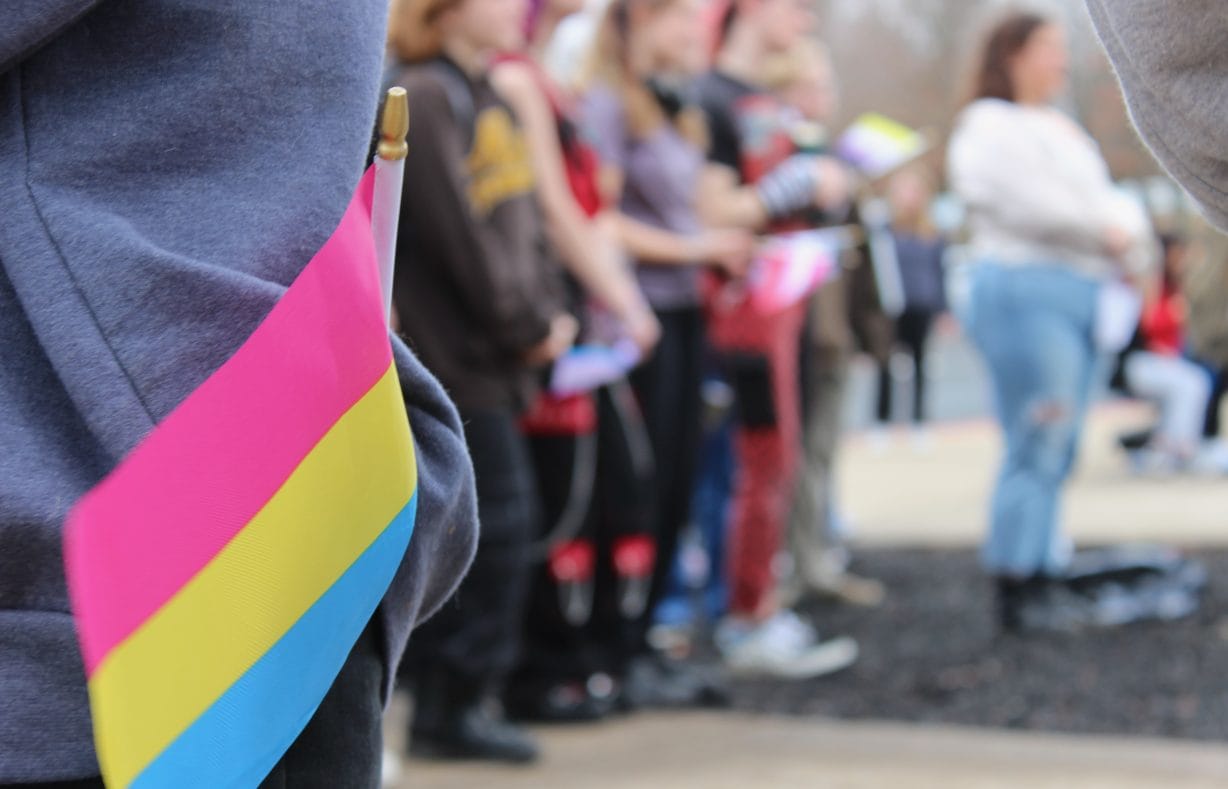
(608, 64)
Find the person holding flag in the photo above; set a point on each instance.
(183, 289)
(752, 147)
(480, 297)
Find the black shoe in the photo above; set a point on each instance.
(655, 682)
(474, 734)
(561, 701)
(456, 719)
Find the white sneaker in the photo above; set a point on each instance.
(783, 646)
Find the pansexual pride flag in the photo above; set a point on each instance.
(221, 575)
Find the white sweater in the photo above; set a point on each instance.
(1038, 191)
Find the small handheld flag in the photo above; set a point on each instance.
(878, 146)
(586, 368)
(791, 266)
(221, 574)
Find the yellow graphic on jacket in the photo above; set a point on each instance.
(499, 165)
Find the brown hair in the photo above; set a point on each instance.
(608, 64)
(413, 30)
(1007, 39)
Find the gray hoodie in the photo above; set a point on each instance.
(1172, 59)
(167, 167)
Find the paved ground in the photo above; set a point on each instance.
(899, 498)
(736, 752)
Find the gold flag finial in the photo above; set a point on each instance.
(394, 125)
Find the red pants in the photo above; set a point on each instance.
(767, 444)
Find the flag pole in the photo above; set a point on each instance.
(389, 177)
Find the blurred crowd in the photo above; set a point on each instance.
(636, 262)
(642, 276)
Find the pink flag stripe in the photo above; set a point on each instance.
(223, 453)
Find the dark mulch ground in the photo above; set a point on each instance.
(931, 653)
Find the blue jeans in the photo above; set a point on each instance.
(710, 515)
(1034, 327)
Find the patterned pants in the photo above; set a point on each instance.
(761, 353)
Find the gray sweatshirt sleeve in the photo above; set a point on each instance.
(1172, 61)
(28, 24)
(446, 532)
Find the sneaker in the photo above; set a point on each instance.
(852, 589)
(832, 580)
(1132, 563)
(474, 733)
(559, 702)
(784, 646)
(1069, 606)
(655, 681)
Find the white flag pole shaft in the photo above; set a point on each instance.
(389, 177)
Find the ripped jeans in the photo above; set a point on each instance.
(1034, 328)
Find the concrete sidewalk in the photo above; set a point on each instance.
(900, 497)
(897, 496)
(711, 751)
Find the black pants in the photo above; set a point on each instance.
(912, 331)
(668, 388)
(1211, 425)
(617, 507)
(476, 635)
(342, 743)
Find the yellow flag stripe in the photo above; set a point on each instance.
(185, 656)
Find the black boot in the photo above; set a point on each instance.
(457, 718)
(1014, 597)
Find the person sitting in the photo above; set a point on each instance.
(1156, 368)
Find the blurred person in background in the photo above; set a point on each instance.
(479, 299)
(650, 140)
(1049, 231)
(804, 79)
(1156, 367)
(591, 450)
(143, 241)
(567, 167)
(762, 182)
(919, 251)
